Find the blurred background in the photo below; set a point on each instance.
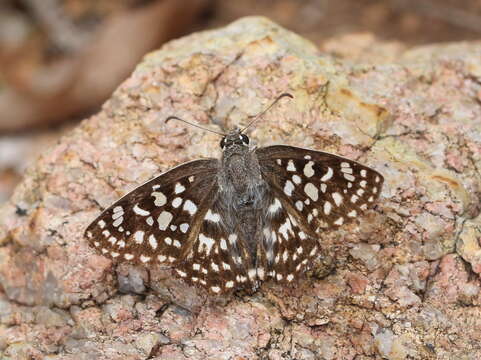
(61, 59)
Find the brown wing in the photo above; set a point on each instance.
(159, 220)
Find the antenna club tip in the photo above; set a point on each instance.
(286, 94)
(170, 118)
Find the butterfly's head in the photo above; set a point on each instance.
(234, 139)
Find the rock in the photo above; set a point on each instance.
(469, 243)
(405, 279)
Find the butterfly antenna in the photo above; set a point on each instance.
(194, 125)
(266, 110)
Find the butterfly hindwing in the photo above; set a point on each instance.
(157, 221)
(287, 249)
(218, 259)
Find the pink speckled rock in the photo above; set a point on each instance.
(404, 280)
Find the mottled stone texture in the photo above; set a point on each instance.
(402, 283)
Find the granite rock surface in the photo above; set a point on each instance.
(403, 282)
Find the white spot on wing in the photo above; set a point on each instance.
(323, 187)
(311, 191)
(160, 199)
(299, 205)
(118, 221)
(289, 186)
(181, 273)
(327, 208)
(214, 267)
(308, 170)
(208, 242)
(190, 207)
(276, 205)
(232, 238)
(140, 211)
(291, 166)
(117, 214)
(176, 202)
(179, 188)
(339, 221)
(211, 216)
(184, 227)
(164, 219)
(297, 179)
(327, 175)
(139, 237)
(223, 244)
(285, 228)
(153, 242)
(260, 273)
(337, 198)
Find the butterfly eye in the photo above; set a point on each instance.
(245, 139)
(222, 143)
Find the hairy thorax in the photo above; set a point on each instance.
(241, 180)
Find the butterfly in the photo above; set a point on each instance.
(254, 214)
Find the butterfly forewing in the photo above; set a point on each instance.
(158, 221)
(320, 190)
